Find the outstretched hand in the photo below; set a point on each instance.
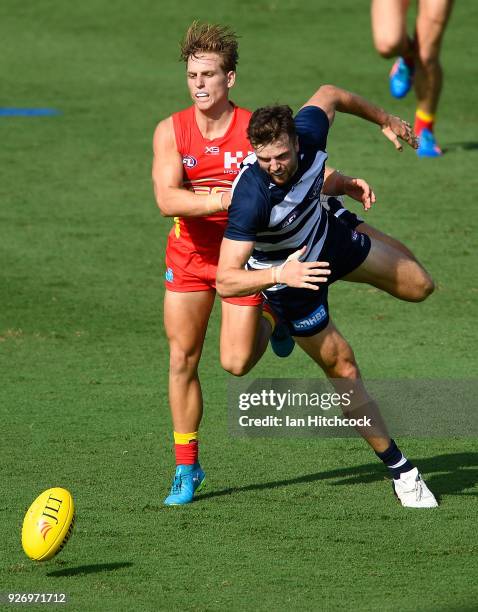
(396, 128)
(359, 190)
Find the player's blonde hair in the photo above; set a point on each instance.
(211, 38)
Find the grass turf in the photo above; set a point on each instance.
(284, 524)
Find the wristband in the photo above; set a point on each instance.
(279, 270)
(276, 272)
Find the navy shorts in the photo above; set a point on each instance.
(334, 205)
(305, 311)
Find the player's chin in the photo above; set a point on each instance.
(203, 103)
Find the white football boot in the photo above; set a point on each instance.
(412, 491)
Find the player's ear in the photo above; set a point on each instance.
(296, 144)
(231, 78)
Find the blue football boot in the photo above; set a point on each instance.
(400, 79)
(427, 146)
(282, 342)
(187, 480)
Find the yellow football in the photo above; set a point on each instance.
(48, 524)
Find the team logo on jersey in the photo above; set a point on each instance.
(189, 161)
(315, 318)
(290, 219)
(314, 191)
(211, 150)
(232, 162)
(356, 236)
(169, 276)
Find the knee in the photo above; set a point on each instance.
(347, 368)
(343, 366)
(428, 286)
(182, 362)
(388, 47)
(235, 364)
(423, 287)
(428, 58)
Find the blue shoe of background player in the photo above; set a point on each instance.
(400, 79)
(427, 146)
(282, 342)
(187, 480)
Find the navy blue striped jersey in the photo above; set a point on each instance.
(282, 219)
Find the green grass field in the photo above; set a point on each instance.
(283, 524)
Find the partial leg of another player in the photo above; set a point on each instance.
(186, 316)
(334, 355)
(245, 332)
(389, 30)
(389, 27)
(393, 271)
(432, 19)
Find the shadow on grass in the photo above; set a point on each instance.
(82, 570)
(461, 146)
(447, 474)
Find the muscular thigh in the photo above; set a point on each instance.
(186, 315)
(375, 233)
(239, 326)
(389, 22)
(386, 268)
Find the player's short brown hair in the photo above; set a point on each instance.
(211, 38)
(269, 123)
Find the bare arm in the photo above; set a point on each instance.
(332, 99)
(336, 183)
(233, 280)
(171, 197)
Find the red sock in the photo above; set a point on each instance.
(423, 121)
(186, 448)
(187, 454)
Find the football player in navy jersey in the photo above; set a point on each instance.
(293, 249)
